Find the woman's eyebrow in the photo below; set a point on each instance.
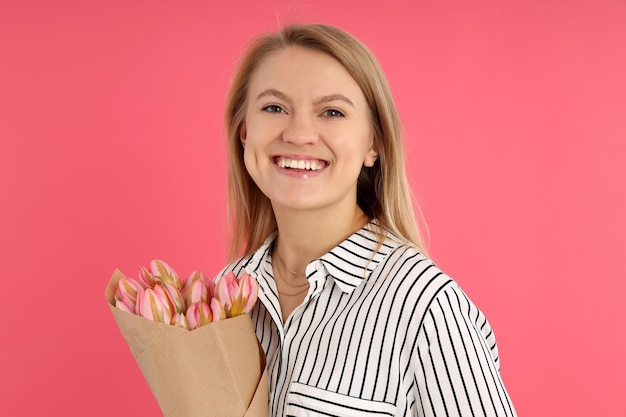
(335, 97)
(275, 93)
(324, 99)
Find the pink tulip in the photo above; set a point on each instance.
(119, 304)
(199, 314)
(227, 288)
(145, 278)
(250, 292)
(179, 320)
(210, 285)
(218, 310)
(237, 297)
(126, 293)
(193, 277)
(164, 273)
(174, 297)
(196, 293)
(154, 305)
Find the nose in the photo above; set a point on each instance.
(300, 130)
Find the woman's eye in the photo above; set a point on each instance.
(272, 108)
(333, 113)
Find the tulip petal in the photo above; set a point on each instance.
(175, 298)
(250, 292)
(180, 320)
(153, 305)
(219, 313)
(197, 293)
(199, 314)
(145, 278)
(122, 306)
(237, 296)
(164, 273)
(126, 293)
(193, 277)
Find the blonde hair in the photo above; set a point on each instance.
(382, 190)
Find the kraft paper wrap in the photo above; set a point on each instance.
(217, 370)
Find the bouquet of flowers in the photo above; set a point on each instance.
(193, 340)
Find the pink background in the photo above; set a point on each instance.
(112, 154)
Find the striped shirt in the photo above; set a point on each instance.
(382, 332)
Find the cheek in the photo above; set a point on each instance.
(254, 162)
(358, 148)
(248, 159)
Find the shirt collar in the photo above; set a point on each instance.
(350, 262)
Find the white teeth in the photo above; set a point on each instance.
(300, 164)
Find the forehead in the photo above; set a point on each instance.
(299, 69)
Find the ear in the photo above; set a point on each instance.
(243, 134)
(372, 154)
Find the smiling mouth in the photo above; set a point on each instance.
(302, 164)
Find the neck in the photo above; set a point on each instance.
(304, 236)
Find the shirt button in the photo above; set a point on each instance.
(319, 266)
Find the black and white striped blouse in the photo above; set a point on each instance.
(381, 332)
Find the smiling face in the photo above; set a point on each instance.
(307, 132)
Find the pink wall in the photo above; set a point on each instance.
(112, 154)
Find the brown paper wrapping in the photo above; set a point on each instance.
(217, 370)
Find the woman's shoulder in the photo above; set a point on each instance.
(385, 255)
(407, 264)
(409, 275)
(413, 285)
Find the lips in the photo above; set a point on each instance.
(301, 164)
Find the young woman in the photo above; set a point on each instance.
(353, 317)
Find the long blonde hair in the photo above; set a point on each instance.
(382, 190)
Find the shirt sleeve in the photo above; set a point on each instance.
(457, 370)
